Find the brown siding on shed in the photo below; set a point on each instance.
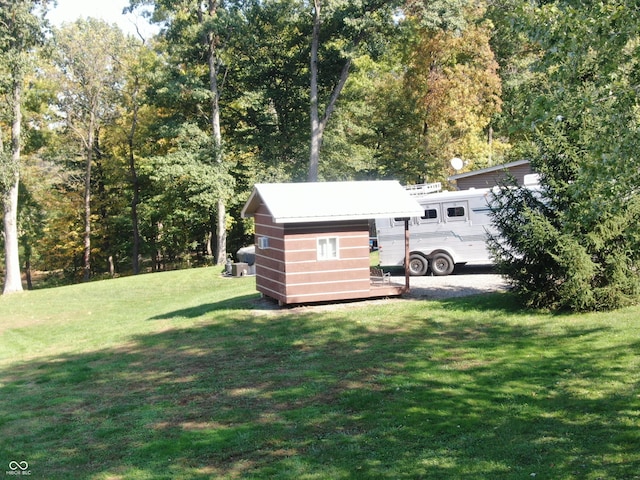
(310, 279)
(270, 288)
(326, 266)
(340, 291)
(270, 262)
(491, 179)
(275, 235)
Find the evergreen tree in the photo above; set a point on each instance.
(577, 244)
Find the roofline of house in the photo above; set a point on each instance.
(495, 168)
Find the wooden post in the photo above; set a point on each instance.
(406, 254)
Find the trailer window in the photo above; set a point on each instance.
(430, 214)
(453, 212)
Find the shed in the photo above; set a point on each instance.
(312, 239)
(491, 176)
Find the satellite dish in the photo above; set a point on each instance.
(457, 163)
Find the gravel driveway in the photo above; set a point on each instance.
(467, 280)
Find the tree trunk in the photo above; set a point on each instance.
(135, 183)
(221, 234)
(87, 199)
(208, 243)
(159, 257)
(316, 132)
(25, 243)
(221, 237)
(27, 274)
(318, 125)
(12, 279)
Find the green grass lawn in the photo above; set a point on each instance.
(187, 375)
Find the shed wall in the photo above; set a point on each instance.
(309, 279)
(491, 179)
(270, 262)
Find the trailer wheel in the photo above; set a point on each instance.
(418, 265)
(441, 264)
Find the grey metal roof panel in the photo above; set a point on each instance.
(332, 201)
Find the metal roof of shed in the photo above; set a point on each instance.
(332, 201)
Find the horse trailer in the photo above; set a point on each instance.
(453, 230)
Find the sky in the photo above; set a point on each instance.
(108, 10)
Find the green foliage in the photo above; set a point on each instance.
(453, 78)
(584, 257)
(8, 170)
(586, 133)
(423, 87)
(427, 95)
(437, 15)
(89, 72)
(267, 118)
(21, 29)
(187, 183)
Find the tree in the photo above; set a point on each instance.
(577, 245)
(417, 98)
(197, 35)
(377, 132)
(453, 77)
(20, 32)
(90, 77)
(517, 51)
(129, 139)
(133, 171)
(213, 42)
(188, 181)
(348, 24)
(267, 92)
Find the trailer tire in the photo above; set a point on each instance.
(418, 265)
(441, 264)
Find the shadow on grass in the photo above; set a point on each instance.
(502, 302)
(240, 303)
(325, 396)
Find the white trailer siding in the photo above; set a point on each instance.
(452, 230)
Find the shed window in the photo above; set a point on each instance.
(328, 248)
